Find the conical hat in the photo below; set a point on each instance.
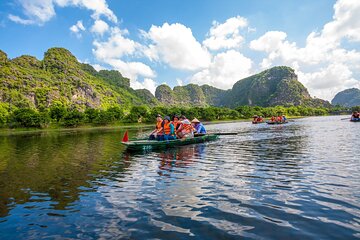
(195, 120)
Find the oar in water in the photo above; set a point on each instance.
(226, 133)
(219, 133)
(346, 118)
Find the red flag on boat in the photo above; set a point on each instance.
(126, 137)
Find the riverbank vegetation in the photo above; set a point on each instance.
(58, 115)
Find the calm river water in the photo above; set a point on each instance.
(295, 181)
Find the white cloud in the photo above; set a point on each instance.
(269, 41)
(18, 19)
(41, 11)
(346, 21)
(131, 69)
(324, 50)
(226, 35)
(98, 67)
(116, 46)
(225, 70)
(328, 81)
(36, 11)
(77, 28)
(148, 84)
(179, 82)
(175, 45)
(100, 27)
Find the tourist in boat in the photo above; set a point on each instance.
(259, 119)
(198, 126)
(279, 119)
(158, 131)
(186, 130)
(284, 119)
(179, 127)
(355, 116)
(176, 122)
(273, 119)
(168, 130)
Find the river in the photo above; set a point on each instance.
(300, 180)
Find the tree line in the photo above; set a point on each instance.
(59, 115)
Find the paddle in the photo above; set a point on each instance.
(346, 118)
(216, 133)
(225, 133)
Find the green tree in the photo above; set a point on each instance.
(4, 113)
(139, 114)
(91, 114)
(25, 117)
(57, 111)
(73, 118)
(116, 113)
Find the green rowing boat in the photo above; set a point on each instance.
(142, 144)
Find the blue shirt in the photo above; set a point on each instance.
(200, 128)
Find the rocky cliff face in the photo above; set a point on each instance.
(275, 86)
(348, 98)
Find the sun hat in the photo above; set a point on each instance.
(158, 115)
(167, 118)
(186, 121)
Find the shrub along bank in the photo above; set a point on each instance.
(59, 115)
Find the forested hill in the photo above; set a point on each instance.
(348, 98)
(26, 82)
(275, 86)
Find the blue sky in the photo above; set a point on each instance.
(204, 42)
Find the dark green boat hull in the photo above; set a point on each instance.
(152, 144)
(274, 123)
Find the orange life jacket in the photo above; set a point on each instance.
(187, 128)
(279, 119)
(176, 125)
(158, 125)
(167, 129)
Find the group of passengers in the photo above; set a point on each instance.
(278, 119)
(355, 116)
(258, 119)
(176, 128)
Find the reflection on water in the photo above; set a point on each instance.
(295, 181)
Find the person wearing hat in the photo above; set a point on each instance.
(186, 130)
(168, 130)
(158, 131)
(198, 126)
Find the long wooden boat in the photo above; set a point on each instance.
(270, 122)
(142, 144)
